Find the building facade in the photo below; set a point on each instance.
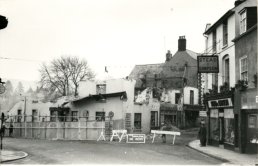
(246, 75)
(221, 88)
(174, 85)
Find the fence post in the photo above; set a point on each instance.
(79, 125)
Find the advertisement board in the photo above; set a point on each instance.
(208, 64)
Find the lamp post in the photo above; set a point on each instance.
(3, 24)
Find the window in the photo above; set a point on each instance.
(252, 121)
(75, 116)
(243, 68)
(225, 33)
(214, 43)
(154, 118)
(101, 89)
(177, 97)
(137, 120)
(100, 116)
(53, 116)
(191, 97)
(226, 69)
(242, 22)
(34, 115)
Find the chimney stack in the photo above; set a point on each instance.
(168, 56)
(181, 43)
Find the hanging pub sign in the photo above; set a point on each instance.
(208, 64)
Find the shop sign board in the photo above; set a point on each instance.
(214, 113)
(220, 103)
(135, 138)
(208, 64)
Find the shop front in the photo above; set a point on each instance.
(168, 113)
(221, 127)
(249, 122)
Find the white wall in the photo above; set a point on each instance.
(222, 51)
(187, 95)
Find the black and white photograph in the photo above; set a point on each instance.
(128, 82)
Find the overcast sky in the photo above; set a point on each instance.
(114, 33)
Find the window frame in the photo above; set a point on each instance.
(74, 117)
(226, 58)
(191, 102)
(100, 118)
(242, 21)
(137, 121)
(240, 67)
(34, 118)
(225, 33)
(177, 98)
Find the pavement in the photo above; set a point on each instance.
(227, 156)
(10, 155)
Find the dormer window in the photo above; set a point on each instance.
(101, 89)
(243, 22)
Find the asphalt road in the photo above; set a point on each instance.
(93, 152)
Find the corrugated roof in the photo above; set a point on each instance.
(101, 96)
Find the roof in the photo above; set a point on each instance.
(102, 96)
(138, 70)
(219, 21)
(191, 53)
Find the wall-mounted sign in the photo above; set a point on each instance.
(220, 103)
(135, 138)
(203, 114)
(208, 64)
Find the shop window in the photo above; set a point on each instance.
(229, 126)
(252, 121)
(154, 118)
(137, 120)
(214, 125)
(243, 68)
(100, 116)
(75, 116)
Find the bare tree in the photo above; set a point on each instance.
(63, 75)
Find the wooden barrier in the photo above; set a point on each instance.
(165, 132)
(115, 133)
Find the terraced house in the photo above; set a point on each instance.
(233, 38)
